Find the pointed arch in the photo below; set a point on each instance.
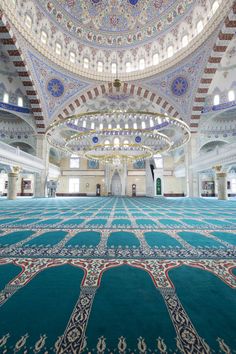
(223, 40)
(9, 42)
(126, 88)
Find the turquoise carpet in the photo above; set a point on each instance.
(117, 275)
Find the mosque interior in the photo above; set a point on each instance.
(117, 176)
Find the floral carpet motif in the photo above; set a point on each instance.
(117, 275)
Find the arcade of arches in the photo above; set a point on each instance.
(117, 176)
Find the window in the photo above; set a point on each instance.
(143, 125)
(215, 6)
(73, 185)
(118, 126)
(128, 67)
(126, 142)
(107, 142)
(113, 68)
(126, 126)
(92, 125)
(100, 66)
(58, 48)
(72, 57)
(233, 185)
(158, 161)
(170, 51)
(155, 59)
(100, 126)
(44, 37)
(199, 26)
(84, 124)
(216, 100)
(109, 126)
(141, 64)
(86, 63)
(5, 97)
(20, 101)
(151, 123)
(231, 95)
(135, 126)
(116, 142)
(28, 21)
(185, 41)
(74, 161)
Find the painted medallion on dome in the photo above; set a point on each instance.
(179, 86)
(117, 22)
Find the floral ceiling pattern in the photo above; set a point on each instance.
(113, 22)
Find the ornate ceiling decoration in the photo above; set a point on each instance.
(118, 135)
(114, 22)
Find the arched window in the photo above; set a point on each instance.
(151, 123)
(109, 126)
(107, 142)
(100, 126)
(100, 66)
(20, 101)
(170, 51)
(74, 161)
(113, 68)
(231, 96)
(128, 67)
(44, 37)
(84, 124)
(185, 41)
(86, 63)
(126, 126)
(135, 126)
(141, 64)
(143, 125)
(116, 142)
(215, 6)
(72, 57)
(5, 97)
(92, 125)
(58, 48)
(155, 59)
(118, 126)
(199, 26)
(216, 100)
(126, 142)
(28, 21)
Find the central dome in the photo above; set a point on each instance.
(117, 22)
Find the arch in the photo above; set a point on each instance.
(9, 41)
(108, 88)
(116, 185)
(223, 40)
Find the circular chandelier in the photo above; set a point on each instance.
(116, 136)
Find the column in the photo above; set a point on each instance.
(191, 175)
(222, 185)
(12, 183)
(40, 182)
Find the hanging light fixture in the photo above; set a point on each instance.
(113, 142)
(117, 82)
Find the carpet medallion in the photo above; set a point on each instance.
(117, 275)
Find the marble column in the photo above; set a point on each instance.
(40, 182)
(192, 176)
(12, 183)
(222, 185)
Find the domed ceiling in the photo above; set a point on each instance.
(117, 22)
